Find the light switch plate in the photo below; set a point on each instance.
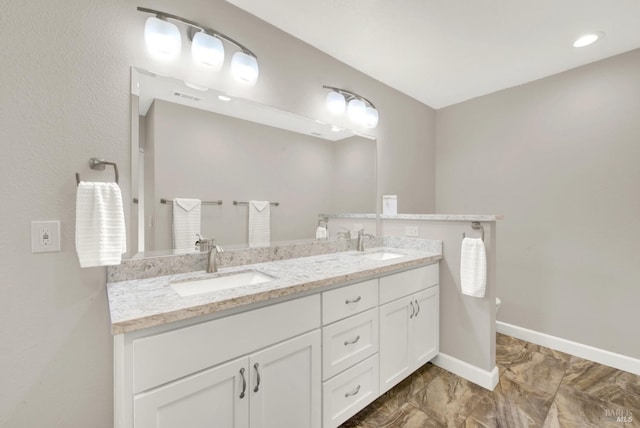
(411, 231)
(45, 236)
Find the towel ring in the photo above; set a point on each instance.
(475, 225)
(99, 164)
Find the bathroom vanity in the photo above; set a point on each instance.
(311, 347)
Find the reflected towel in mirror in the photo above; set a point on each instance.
(186, 223)
(259, 223)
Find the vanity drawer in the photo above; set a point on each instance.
(163, 357)
(402, 284)
(349, 392)
(348, 342)
(350, 300)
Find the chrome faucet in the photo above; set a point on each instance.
(361, 236)
(213, 249)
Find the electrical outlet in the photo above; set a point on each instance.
(411, 231)
(45, 236)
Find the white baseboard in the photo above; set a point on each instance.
(484, 378)
(618, 361)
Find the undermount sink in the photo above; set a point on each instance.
(382, 255)
(218, 283)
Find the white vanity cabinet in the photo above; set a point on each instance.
(349, 351)
(409, 323)
(213, 398)
(255, 369)
(308, 362)
(273, 388)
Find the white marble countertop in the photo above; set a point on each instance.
(138, 304)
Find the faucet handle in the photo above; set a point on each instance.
(346, 234)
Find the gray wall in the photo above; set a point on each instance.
(66, 97)
(560, 158)
(205, 155)
(467, 324)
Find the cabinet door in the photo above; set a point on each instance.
(211, 398)
(425, 326)
(285, 384)
(395, 336)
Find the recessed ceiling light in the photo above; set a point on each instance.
(224, 98)
(587, 39)
(336, 128)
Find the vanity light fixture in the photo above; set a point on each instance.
(359, 109)
(163, 39)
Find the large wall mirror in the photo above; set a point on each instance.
(192, 142)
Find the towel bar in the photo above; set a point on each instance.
(275, 204)
(170, 201)
(99, 164)
(475, 225)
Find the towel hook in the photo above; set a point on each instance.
(99, 164)
(475, 225)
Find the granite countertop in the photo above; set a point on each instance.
(143, 303)
(432, 217)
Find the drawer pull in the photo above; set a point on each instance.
(244, 383)
(350, 301)
(418, 306)
(352, 341)
(255, 366)
(354, 392)
(413, 310)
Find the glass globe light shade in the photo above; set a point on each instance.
(207, 50)
(245, 68)
(370, 117)
(336, 103)
(162, 37)
(356, 110)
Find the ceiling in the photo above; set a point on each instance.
(442, 52)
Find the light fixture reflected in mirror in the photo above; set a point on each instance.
(336, 102)
(355, 110)
(244, 67)
(360, 110)
(163, 40)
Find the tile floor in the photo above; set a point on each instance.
(539, 387)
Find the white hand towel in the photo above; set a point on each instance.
(186, 223)
(100, 231)
(259, 223)
(321, 233)
(473, 267)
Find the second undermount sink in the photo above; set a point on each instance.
(382, 255)
(222, 282)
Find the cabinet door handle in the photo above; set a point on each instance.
(352, 341)
(244, 383)
(255, 366)
(356, 300)
(354, 392)
(413, 310)
(418, 306)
